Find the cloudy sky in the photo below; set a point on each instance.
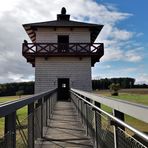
(124, 35)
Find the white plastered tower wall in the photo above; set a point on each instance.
(62, 52)
(77, 69)
(48, 71)
(76, 35)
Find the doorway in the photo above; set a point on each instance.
(63, 89)
(63, 43)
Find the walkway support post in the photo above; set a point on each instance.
(38, 119)
(119, 115)
(31, 125)
(44, 111)
(10, 130)
(86, 116)
(97, 123)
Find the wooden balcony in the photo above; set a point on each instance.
(32, 50)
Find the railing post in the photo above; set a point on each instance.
(83, 121)
(119, 115)
(78, 108)
(31, 125)
(44, 112)
(51, 103)
(47, 110)
(86, 119)
(38, 119)
(96, 128)
(10, 130)
(82, 116)
(42, 116)
(97, 123)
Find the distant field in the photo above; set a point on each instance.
(21, 113)
(8, 98)
(139, 96)
(133, 95)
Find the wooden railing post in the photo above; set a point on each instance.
(10, 130)
(38, 119)
(47, 110)
(97, 123)
(119, 115)
(86, 119)
(31, 125)
(44, 116)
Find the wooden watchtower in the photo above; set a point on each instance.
(62, 52)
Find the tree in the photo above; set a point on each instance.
(114, 89)
(19, 93)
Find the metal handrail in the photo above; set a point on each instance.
(11, 106)
(37, 112)
(140, 134)
(137, 111)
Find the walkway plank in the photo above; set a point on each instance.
(64, 129)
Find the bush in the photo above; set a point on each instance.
(114, 89)
(19, 93)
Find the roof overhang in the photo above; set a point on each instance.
(31, 28)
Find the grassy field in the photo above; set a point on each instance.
(8, 98)
(139, 96)
(133, 95)
(21, 113)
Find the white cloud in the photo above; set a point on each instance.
(122, 35)
(18, 77)
(112, 54)
(142, 78)
(132, 56)
(115, 72)
(16, 12)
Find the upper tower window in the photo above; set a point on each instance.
(63, 42)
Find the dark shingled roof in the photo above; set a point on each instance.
(62, 23)
(94, 28)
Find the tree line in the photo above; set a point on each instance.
(11, 89)
(123, 82)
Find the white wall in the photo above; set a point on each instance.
(75, 35)
(48, 71)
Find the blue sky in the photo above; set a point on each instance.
(124, 35)
(137, 24)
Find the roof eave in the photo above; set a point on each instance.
(30, 30)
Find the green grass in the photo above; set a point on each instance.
(137, 97)
(21, 113)
(128, 96)
(8, 98)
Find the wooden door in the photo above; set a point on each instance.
(63, 43)
(63, 89)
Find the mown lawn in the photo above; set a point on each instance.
(137, 97)
(21, 113)
(8, 98)
(140, 97)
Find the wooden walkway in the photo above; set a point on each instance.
(64, 129)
